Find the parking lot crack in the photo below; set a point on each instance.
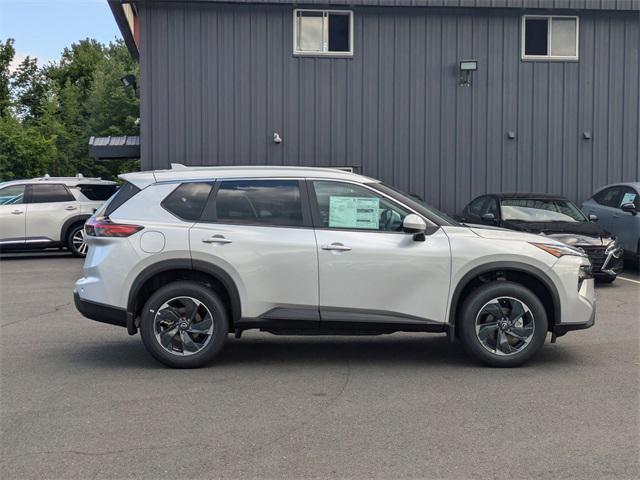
(56, 309)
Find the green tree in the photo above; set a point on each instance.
(7, 52)
(61, 106)
(24, 151)
(30, 88)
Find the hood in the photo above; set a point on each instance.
(493, 233)
(572, 233)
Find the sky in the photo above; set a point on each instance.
(42, 28)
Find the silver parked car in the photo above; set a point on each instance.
(189, 255)
(616, 208)
(49, 211)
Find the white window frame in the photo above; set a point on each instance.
(325, 41)
(549, 19)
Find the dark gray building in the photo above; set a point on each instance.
(378, 85)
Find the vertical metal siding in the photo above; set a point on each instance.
(219, 80)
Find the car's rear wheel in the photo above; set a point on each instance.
(184, 325)
(503, 324)
(76, 241)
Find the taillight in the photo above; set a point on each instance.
(106, 228)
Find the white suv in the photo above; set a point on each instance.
(49, 211)
(190, 254)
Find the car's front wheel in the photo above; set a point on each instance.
(184, 325)
(503, 324)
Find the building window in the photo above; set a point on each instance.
(549, 38)
(323, 32)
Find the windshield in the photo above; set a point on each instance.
(540, 210)
(417, 204)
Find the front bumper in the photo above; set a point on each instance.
(562, 329)
(100, 312)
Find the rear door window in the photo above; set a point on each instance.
(50, 193)
(188, 200)
(258, 202)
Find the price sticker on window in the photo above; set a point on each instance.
(354, 212)
(628, 197)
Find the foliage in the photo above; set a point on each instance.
(48, 113)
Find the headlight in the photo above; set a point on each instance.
(584, 273)
(559, 250)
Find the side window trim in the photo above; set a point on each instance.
(315, 208)
(210, 215)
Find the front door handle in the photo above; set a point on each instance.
(71, 207)
(216, 239)
(17, 212)
(337, 247)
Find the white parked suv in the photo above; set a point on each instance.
(189, 255)
(49, 211)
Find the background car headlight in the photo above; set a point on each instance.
(559, 250)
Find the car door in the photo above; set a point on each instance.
(605, 206)
(259, 231)
(49, 205)
(370, 270)
(626, 225)
(12, 215)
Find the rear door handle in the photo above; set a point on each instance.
(70, 207)
(216, 239)
(337, 247)
(17, 212)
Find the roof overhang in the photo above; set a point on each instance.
(111, 148)
(123, 12)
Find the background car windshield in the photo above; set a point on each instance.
(540, 210)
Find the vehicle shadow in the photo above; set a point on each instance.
(273, 351)
(39, 255)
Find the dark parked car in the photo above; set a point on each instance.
(617, 208)
(553, 216)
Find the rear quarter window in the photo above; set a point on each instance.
(124, 194)
(188, 200)
(98, 193)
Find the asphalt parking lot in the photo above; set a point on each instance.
(83, 400)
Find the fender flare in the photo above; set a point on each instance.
(67, 225)
(183, 264)
(511, 266)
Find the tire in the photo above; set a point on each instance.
(75, 233)
(190, 341)
(512, 350)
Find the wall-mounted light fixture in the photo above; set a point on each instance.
(466, 67)
(129, 81)
(277, 139)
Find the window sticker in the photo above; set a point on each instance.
(629, 197)
(354, 212)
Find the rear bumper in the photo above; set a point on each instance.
(562, 329)
(100, 312)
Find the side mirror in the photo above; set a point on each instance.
(488, 217)
(628, 207)
(414, 224)
(592, 217)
